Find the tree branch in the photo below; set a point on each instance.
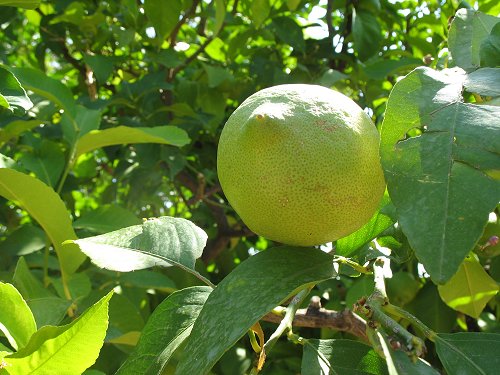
(314, 316)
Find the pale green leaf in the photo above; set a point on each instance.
(168, 326)
(169, 135)
(159, 241)
(46, 207)
(469, 353)
(259, 11)
(440, 181)
(470, 289)
(220, 15)
(485, 81)
(13, 96)
(467, 32)
(50, 347)
(16, 320)
(261, 282)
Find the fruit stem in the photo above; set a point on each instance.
(354, 265)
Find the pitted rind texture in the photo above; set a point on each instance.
(300, 164)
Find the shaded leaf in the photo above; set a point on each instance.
(15, 128)
(46, 162)
(346, 357)
(148, 280)
(261, 282)
(106, 218)
(467, 32)
(366, 33)
(490, 48)
(168, 326)
(288, 31)
(485, 81)
(159, 241)
(46, 87)
(27, 4)
(169, 135)
(163, 16)
(259, 11)
(50, 347)
(469, 353)
(46, 207)
(220, 15)
(470, 289)
(441, 181)
(24, 240)
(16, 320)
(12, 95)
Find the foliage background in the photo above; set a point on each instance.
(187, 64)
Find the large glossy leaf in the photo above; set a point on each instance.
(16, 320)
(440, 181)
(470, 289)
(169, 135)
(46, 87)
(167, 328)
(162, 241)
(50, 347)
(469, 353)
(345, 357)
(12, 96)
(468, 30)
(47, 208)
(251, 290)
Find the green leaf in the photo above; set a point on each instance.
(46, 87)
(485, 81)
(366, 33)
(430, 309)
(12, 95)
(16, 320)
(169, 135)
(261, 282)
(346, 357)
(467, 32)
(469, 353)
(288, 31)
(15, 128)
(440, 181)
(220, 15)
(24, 240)
(81, 122)
(163, 16)
(378, 223)
(106, 218)
(46, 162)
(168, 326)
(148, 280)
(46, 207)
(470, 289)
(380, 69)
(216, 76)
(330, 77)
(292, 4)
(159, 241)
(27, 4)
(50, 347)
(259, 11)
(489, 52)
(27, 284)
(404, 365)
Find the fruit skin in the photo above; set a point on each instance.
(300, 164)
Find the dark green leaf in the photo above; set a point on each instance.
(15, 128)
(107, 218)
(467, 32)
(288, 31)
(158, 241)
(346, 357)
(163, 16)
(469, 353)
(169, 325)
(24, 240)
(12, 95)
(366, 33)
(490, 48)
(47, 162)
(380, 69)
(148, 280)
(27, 4)
(260, 282)
(441, 182)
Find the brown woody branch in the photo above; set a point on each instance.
(314, 316)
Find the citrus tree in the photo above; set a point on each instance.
(120, 251)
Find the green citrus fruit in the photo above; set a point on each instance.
(300, 164)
